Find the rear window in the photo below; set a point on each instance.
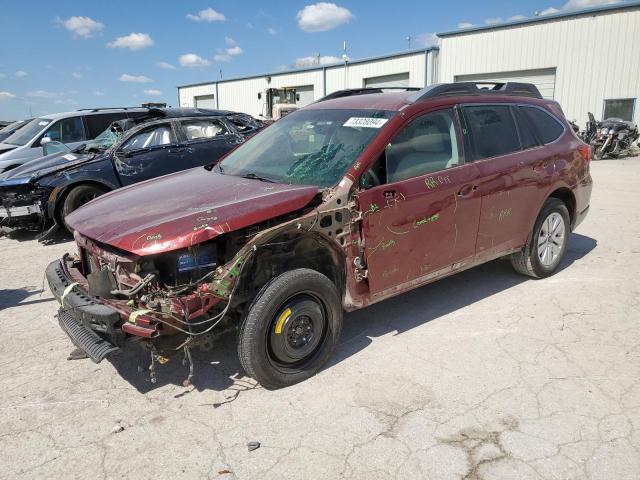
(547, 127)
(491, 131)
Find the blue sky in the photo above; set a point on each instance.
(64, 55)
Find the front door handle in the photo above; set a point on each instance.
(467, 190)
(389, 194)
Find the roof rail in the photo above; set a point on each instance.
(105, 108)
(350, 92)
(476, 88)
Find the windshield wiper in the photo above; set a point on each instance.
(254, 176)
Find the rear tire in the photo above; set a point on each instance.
(76, 198)
(547, 243)
(291, 328)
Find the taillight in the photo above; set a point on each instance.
(585, 152)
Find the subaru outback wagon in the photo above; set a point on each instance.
(337, 206)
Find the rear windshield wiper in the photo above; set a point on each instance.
(254, 176)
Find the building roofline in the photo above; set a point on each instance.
(542, 18)
(316, 67)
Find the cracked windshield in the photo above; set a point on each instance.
(309, 147)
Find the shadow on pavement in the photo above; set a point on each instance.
(220, 369)
(13, 297)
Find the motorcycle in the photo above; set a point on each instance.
(611, 137)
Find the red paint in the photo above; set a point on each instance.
(184, 209)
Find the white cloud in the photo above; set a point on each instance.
(125, 77)
(515, 18)
(322, 16)
(133, 41)
(465, 25)
(65, 101)
(3, 75)
(548, 11)
(193, 60)
(153, 92)
(493, 21)
(76, 75)
(98, 93)
(83, 27)
(427, 39)
(571, 5)
(20, 73)
(207, 15)
(312, 60)
(226, 54)
(165, 65)
(6, 96)
(272, 31)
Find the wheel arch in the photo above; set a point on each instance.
(60, 194)
(567, 197)
(289, 250)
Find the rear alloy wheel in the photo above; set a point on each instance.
(76, 198)
(290, 329)
(546, 246)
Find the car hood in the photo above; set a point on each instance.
(5, 147)
(42, 166)
(184, 209)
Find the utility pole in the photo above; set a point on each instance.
(408, 39)
(345, 58)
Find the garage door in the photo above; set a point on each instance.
(305, 93)
(544, 79)
(396, 80)
(205, 101)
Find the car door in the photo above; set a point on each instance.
(422, 218)
(148, 153)
(506, 153)
(207, 139)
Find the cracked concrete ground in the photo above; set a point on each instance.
(485, 375)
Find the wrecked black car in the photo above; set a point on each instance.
(41, 193)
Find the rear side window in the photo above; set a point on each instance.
(491, 131)
(203, 129)
(547, 127)
(527, 137)
(96, 124)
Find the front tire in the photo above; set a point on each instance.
(546, 245)
(76, 198)
(291, 328)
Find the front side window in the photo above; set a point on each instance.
(427, 144)
(203, 129)
(621, 108)
(548, 128)
(150, 137)
(491, 131)
(68, 130)
(99, 122)
(307, 147)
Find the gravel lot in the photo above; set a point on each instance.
(480, 376)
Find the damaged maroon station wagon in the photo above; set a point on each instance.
(337, 206)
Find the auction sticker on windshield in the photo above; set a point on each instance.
(365, 122)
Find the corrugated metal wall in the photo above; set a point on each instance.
(596, 57)
(242, 94)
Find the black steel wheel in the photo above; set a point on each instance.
(76, 198)
(291, 328)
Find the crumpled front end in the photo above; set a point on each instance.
(23, 206)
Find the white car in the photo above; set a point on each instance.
(70, 128)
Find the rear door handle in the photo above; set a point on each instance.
(389, 194)
(467, 190)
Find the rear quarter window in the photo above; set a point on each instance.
(547, 127)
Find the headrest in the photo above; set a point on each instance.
(432, 143)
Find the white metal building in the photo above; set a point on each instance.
(588, 60)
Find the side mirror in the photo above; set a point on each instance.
(52, 146)
(259, 95)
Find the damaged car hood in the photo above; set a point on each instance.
(184, 209)
(43, 166)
